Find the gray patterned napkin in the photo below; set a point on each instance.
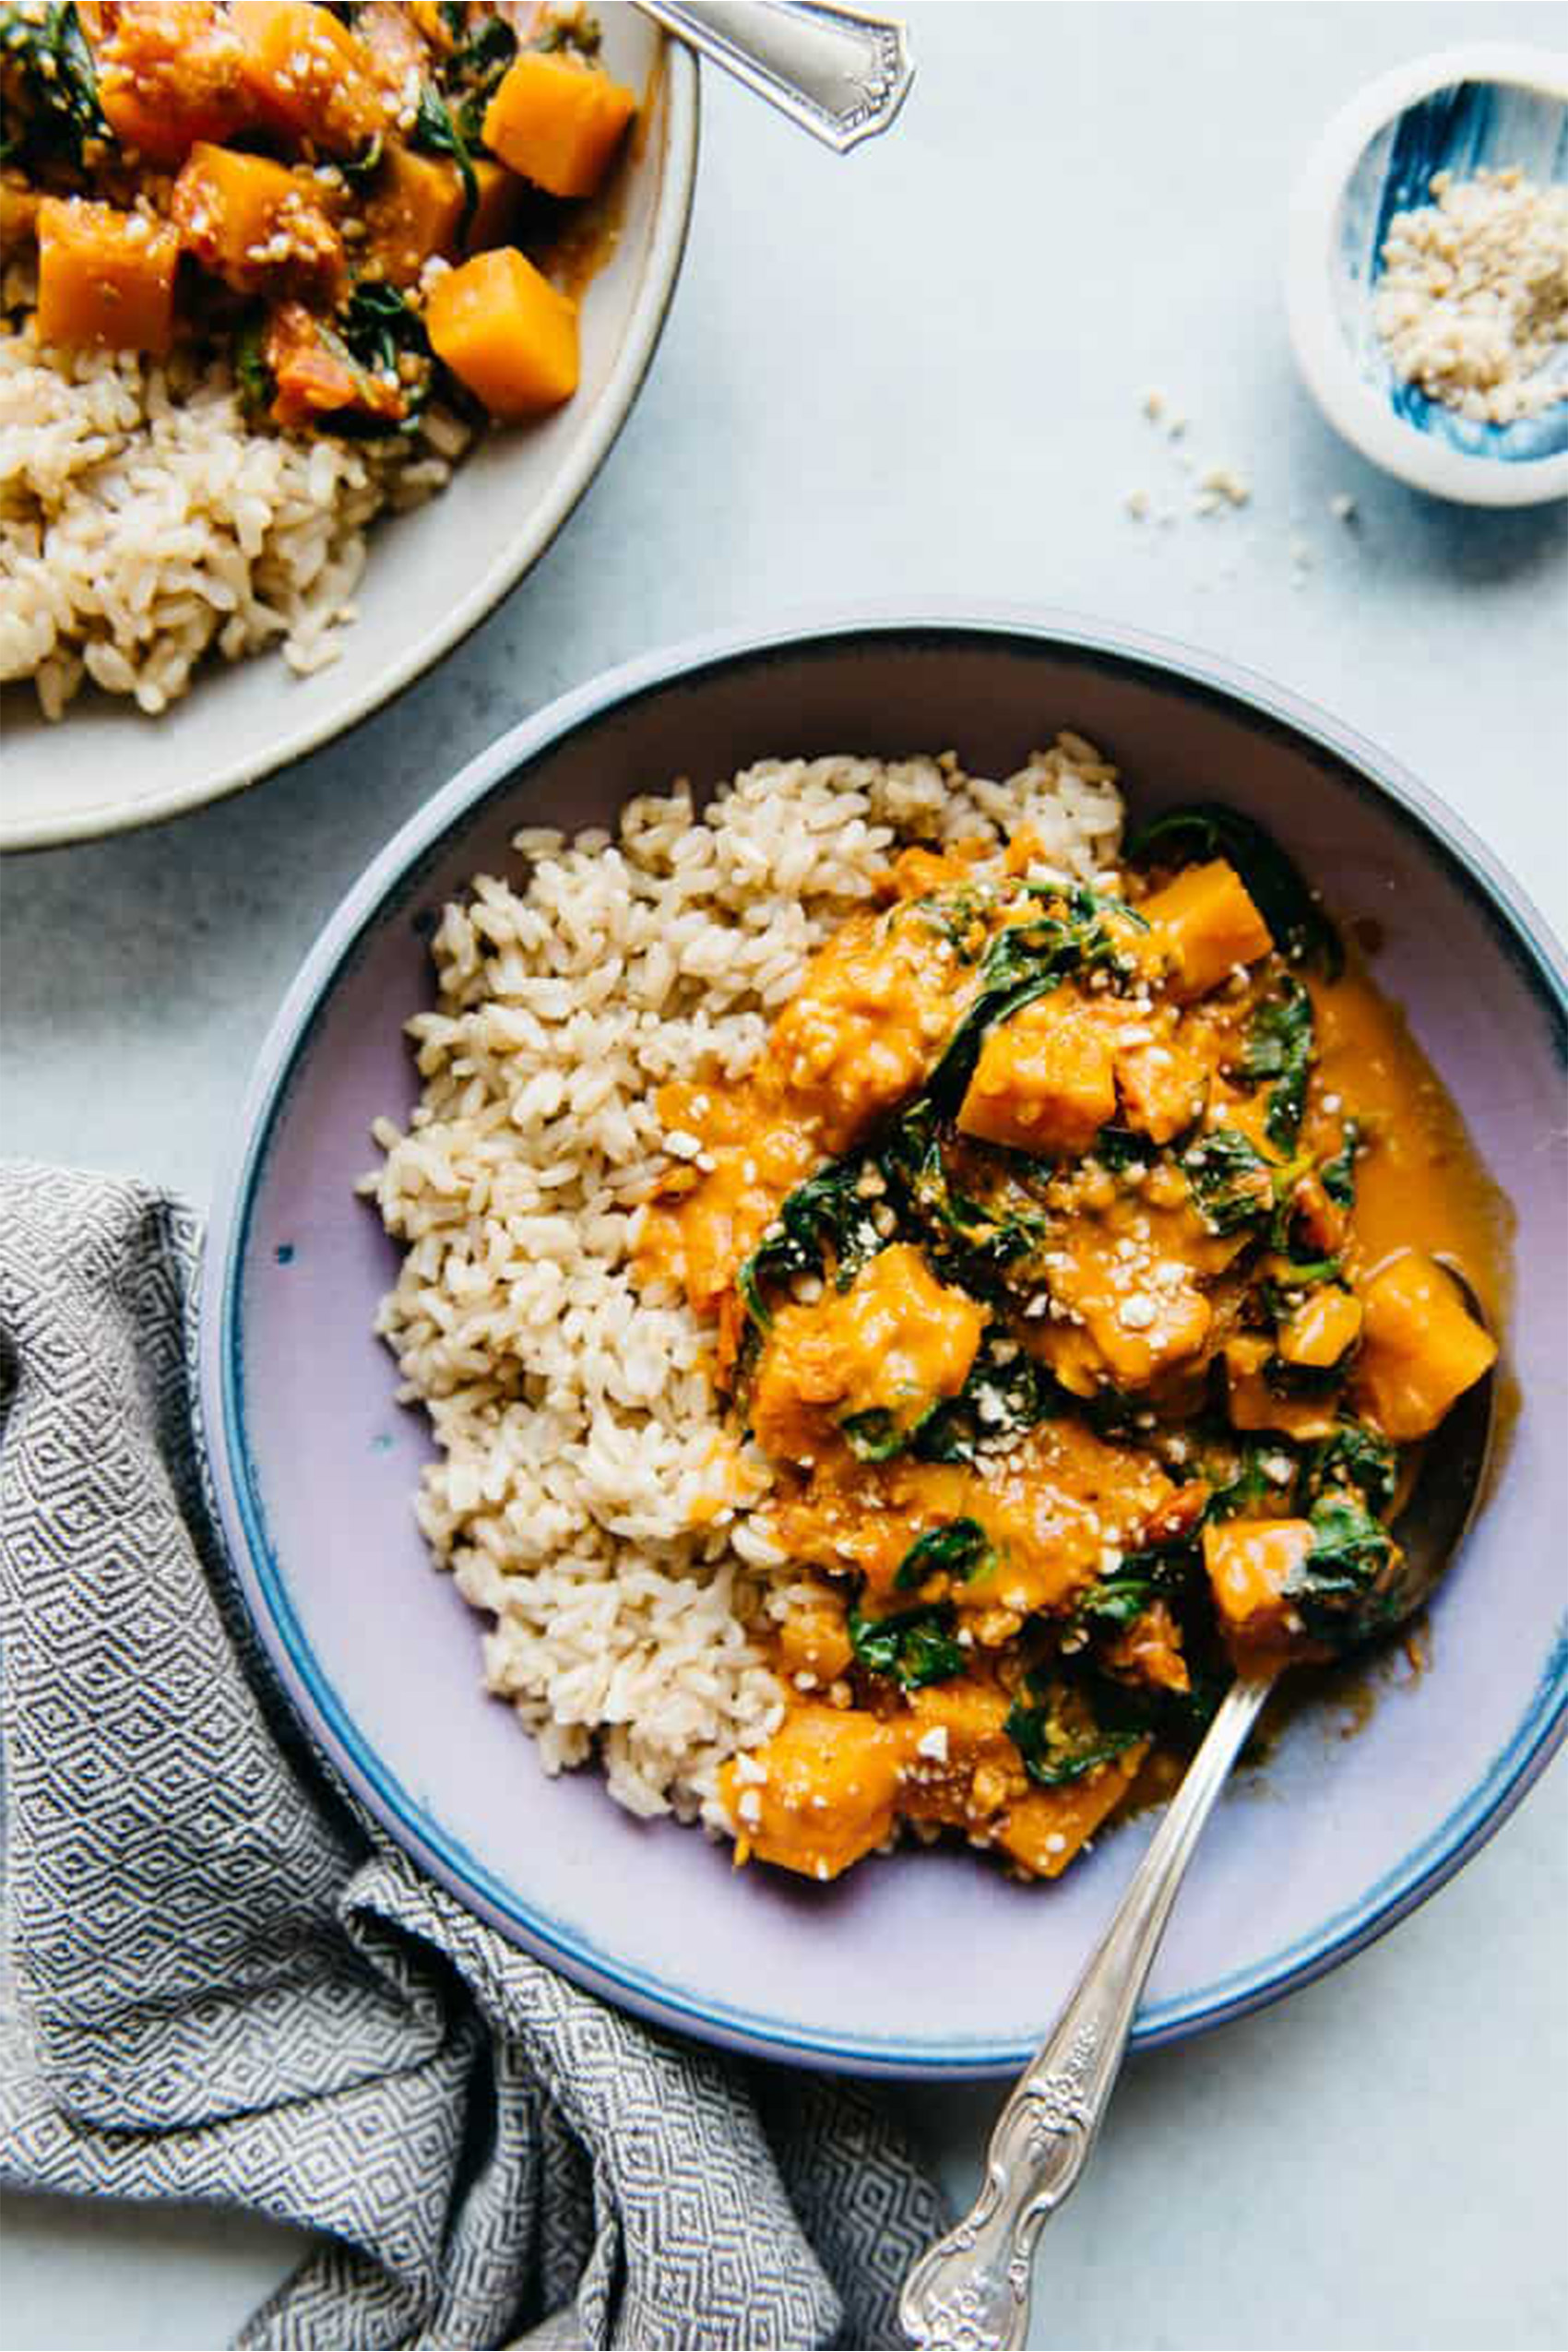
(224, 1984)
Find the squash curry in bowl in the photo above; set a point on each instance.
(1074, 1255)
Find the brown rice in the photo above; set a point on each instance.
(144, 521)
(586, 1497)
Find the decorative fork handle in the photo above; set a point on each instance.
(840, 74)
(970, 2293)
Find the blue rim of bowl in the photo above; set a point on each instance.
(503, 766)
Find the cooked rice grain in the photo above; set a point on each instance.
(144, 521)
(587, 1495)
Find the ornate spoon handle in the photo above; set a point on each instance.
(971, 2291)
(840, 74)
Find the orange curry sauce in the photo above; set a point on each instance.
(1095, 1366)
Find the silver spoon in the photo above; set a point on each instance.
(839, 74)
(971, 2291)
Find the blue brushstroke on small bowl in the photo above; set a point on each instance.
(1465, 127)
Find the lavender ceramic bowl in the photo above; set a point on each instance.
(930, 1964)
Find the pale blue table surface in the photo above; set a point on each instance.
(920, 371)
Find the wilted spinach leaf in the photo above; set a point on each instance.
(1279, 1049)
(970, 1244)
(368, 337)
(59, 111)
(1084, 901)
(1357, 1459)
(1232, 1182)
(492, 42)
(439, 131)
(359, 170)
(828, 1216)
(875, 1436)
(1335, 1588)
(1117, 1600)
(252, 374)
(379, 325)
(997, 1403)
(1302, 1274)
(1061, 1736)
(957, 916)
(475, 69)
(1120, 1599)
(915, 1646)
(1250, 1492)
(1338, 1176)
(1025, 962)
(1119, 1148)
(960, 1549)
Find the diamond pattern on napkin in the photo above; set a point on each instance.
(223, 1983)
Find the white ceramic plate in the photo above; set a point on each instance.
(431, 575)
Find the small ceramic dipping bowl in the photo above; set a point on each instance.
(1488, 105)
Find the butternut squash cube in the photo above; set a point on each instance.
(255, 224)
(813, 1641)
(1420, 1349)
(971, 1717)
(1324, 1327)
(865, 1026)
(18, 214)
(106, 278)
(1138, 1353)
(897, 1342)
(309, 76)
(1162, 1088)
(558, 121)
(1205, 923)
(494, 215)
(1254, 1404)
(1249, 1563)
(414, 213)
(1045, 1829)
(1045, 1081)
(507, 333)
(170, 72)
(829, 1784)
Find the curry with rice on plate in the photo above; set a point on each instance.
(1072, 1253)
(363, 220)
